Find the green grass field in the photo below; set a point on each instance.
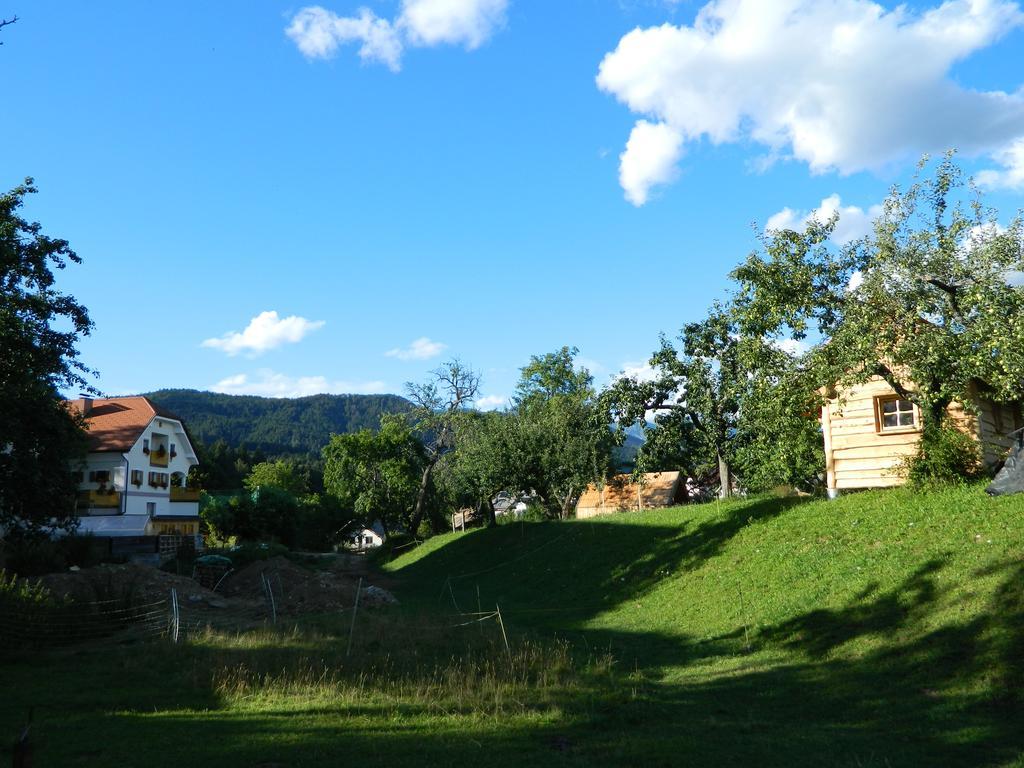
(884, 629)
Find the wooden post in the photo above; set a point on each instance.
(352, 627)
(830, 465)
(479, 610)
(501, 623)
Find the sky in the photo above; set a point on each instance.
(282, 199)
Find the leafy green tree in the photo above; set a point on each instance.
(487, 460)
(376, 474)
(695, 395)
(563, 433)
(39, 330)
(438, 408)
(924, 302)
(281, 474)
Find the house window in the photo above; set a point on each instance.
(158, 479)
(151, 508)
(145, 446)
(895, 413)
(136, 477)
(99, 476)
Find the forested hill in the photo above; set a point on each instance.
(275, 425)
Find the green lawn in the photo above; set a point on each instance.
(884, 629)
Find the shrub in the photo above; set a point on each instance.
(945, 455)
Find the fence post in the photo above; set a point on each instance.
(268, 590)
(352, 628)
(501, 623)
(175, 616)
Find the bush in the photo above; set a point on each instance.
(35, 557)
(945, 456)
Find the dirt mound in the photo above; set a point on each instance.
(130, 584)
(295, 589)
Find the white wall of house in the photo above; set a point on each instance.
(137, 498)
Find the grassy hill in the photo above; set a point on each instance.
(885, 629)
(275, 426)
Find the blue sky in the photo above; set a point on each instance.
(437, 178)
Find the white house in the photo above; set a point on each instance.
(366, 538)
(134, 480)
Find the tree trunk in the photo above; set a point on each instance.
(725, 477)
(489, 511)
(421, 497)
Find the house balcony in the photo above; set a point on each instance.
(184, 494)
(158, 458)
(99, 500)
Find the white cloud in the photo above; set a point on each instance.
(841, 85)
(649, 159)
(491, 402)
(264, 332)
(267, 383)
(453, 22)
(421, 349)
(792, 347)
(1012, 175)
(638, 371)
(319, 33)
(853, 222)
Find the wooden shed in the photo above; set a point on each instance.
(622, 494)
(869, 431)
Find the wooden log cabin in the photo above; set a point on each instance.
(869, 431)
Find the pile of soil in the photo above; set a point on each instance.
(295, 589)
(131, 584)
(298, 590)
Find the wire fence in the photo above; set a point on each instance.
(34, 625)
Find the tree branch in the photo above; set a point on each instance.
(5, 22)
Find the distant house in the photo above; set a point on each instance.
(366, 538)
(623, 494)
(869, 431)
(133, 481)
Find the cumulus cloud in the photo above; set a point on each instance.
(267, 383)
(421, 349)
(649, 160)
(265, 331)
(638, 372)
(792, 347)
(841, 85)
(451, 22)
(319, 33)
(1012, 174)
(853, 222)
(491, 402)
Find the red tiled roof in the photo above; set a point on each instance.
(116, 423)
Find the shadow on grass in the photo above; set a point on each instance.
(564, 566)
(818, 689)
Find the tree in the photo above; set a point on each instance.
(487, 460)
(924, 302)
(437, 408)
(39, 330)
(376, 474)
(563, 433)
(281, 474)
(695, 394)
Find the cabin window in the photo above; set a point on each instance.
(895, 413)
